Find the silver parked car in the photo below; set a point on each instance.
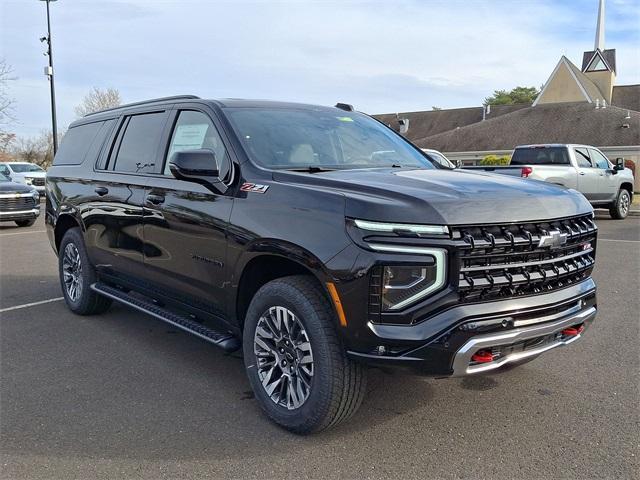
(24, 172)
(439, 158)
(581, 167)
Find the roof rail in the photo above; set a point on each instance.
(145, 102)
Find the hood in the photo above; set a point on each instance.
(13, 187)
(30, 174)
(445, 197)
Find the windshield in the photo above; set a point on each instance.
(540, 156)
(25, 167)
(325, 139)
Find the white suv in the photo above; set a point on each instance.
(24, 172)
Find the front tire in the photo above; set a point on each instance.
(297, 366)
(620, 208)
(26, 223)
(77, 275)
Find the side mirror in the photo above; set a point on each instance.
(619, 164)
(198, 166)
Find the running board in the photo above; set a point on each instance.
(226, 341)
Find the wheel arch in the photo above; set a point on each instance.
(258, 268)
(629, 187)
(63, 224)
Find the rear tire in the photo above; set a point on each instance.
(77, 275)
(620, 208)
(25, 223)
(328, 386)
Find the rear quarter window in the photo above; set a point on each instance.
(81, 142)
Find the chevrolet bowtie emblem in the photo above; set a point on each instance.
(554, 239)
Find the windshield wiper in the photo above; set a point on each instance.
(311, 169)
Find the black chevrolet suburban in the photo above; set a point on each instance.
(319, 242)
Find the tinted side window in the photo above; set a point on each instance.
(582, 157)
(193, 131)
(98, 142)
(139, 144)
(4, 170)
(76, 143)
(599, 160)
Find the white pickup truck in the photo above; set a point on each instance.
(581, 167)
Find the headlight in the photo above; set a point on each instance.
(403, 285)
(28, 181)
(35, 194)
(401, 227)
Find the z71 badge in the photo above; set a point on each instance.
(254, 187)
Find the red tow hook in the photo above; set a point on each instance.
(573, 331)
(483, 356)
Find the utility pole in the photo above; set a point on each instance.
(48, 71)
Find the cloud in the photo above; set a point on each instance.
(380, 56)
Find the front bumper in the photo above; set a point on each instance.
(12, 215)
(512, 330)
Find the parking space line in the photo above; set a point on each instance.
(614, 240)
(21, 233)
(32, 304)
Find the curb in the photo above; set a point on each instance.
(634, 213)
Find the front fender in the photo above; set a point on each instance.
(278, 248)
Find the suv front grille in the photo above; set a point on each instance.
(498, 261)
(12, 204)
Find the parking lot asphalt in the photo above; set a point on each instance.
(122, 395)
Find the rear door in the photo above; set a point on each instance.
(113, 217)
(186, 223)
(588, 175)
(608, 184)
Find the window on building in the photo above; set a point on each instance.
(597, 64)
(137, 150)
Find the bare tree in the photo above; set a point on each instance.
(7, 141)
(38, 149)
(98, 99)
(6, 101)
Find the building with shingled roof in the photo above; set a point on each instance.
(576, 105)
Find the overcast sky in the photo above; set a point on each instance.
(384, 56)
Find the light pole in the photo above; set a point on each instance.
(48, 71)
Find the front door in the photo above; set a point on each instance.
(608, 187)
(185, 223)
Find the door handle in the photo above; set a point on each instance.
(582, 173)
(154, 199)
(102, 191)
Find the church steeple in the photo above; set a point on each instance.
(600, 64)
(599, 45)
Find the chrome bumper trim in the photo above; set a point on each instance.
(463, 356)
(16, 195)
(11, 213)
